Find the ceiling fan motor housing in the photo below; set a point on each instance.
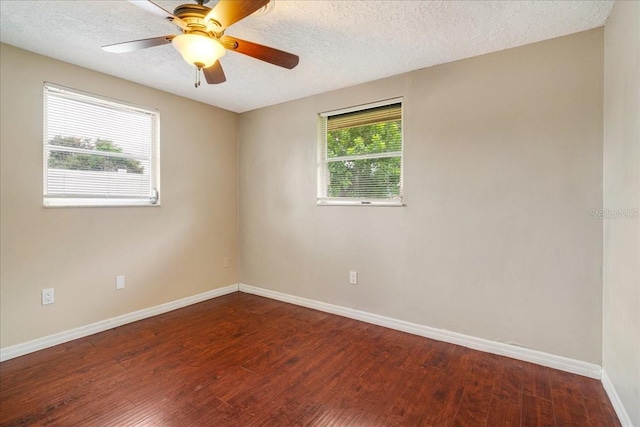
(194, 16)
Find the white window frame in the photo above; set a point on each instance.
(87, 200)
(322, 168)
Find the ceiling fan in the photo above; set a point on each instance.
(203, 42)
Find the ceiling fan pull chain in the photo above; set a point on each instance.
(197, 76)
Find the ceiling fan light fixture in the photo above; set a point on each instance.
(198, 50)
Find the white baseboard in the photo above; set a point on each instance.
(623, 416)
(545, 359)
(103, 325)
(538, 357)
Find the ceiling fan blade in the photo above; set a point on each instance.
(227, 12)
(263, 53)
(154, 9)
(137, 44)
(214, 74)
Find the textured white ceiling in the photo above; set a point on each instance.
(340, 43)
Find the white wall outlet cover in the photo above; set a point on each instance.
(353, 277)
(119, 282)
(47, 296)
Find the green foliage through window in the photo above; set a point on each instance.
(369, 177)
(90, 162)
(363, 156)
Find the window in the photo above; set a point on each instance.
(98, 152)
(360, 155)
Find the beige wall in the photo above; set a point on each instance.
(621, 333)
(503, 163)
(166, 253)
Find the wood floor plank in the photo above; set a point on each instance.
(568, 403)
(410, 405)
(430, 397)
(537, 412)
(437, 354)
(474, 406)
(601, 413)
(460, 361)
(591, 389)
(477, 395)
(510, 383)
(244, 360)
(536, 381)
(503, 413)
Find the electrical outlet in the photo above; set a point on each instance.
(119, 282)
(353, 277)
(227, 261)
(47, 296)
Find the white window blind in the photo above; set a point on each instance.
(98, 152)
(360, 155)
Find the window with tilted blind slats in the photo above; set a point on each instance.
(97, 151)
(360, 155)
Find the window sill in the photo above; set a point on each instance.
(358, 202)
(96, 203)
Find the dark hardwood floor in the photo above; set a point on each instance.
(243, 360)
